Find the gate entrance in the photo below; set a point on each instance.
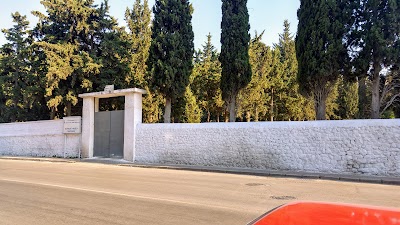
(109, 134)
(112, 131)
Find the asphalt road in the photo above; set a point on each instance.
(85, 193)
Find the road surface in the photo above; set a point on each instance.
(85, 193)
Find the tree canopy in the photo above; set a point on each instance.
(235, 40)
(171, 50)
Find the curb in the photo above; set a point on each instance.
(56, 160)
(238, 171)
(281, 174)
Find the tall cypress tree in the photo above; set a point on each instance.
(321, 54)
(171, 52)
(235, 38)
(378, 30)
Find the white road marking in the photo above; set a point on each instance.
(119, 194)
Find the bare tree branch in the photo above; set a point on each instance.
(393, 99)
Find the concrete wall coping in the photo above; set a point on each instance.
(32, 122)
(284, 124)
(116, 93)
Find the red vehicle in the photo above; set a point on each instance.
(313, 213)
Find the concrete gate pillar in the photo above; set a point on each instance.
(88, 127)
(133, 116)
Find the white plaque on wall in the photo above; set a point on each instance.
(109, 88)
(72, 125)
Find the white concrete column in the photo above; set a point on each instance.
(88, 127)
(96, 104)
(133, 116)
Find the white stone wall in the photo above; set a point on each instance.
(370, 147)
(41, 139)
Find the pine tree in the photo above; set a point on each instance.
(113, 51)
(276, 89)
(64, 36)
(321, 54)
(206, 78)
(347, 100)
(292, 101)
(377, 31)
(138, 20)
(235, 38)
(15, 70)
(253, 98)
(192, 112)
(171, 52)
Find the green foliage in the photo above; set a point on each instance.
(138, 20)
(18, 84)
(171, 50)
(15, 69)
(205, 81)
(79, 47)
(321, 53)
(389, 114)
(192, 111)
(293, 104)
(375, 37)
(66, 21)
(235, 38)
(332, 105)
(390, 90)
(347, 100)
(253, 98)
(63, 36)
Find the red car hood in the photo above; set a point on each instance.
(314, 213)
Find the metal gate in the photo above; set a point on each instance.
(109, 134)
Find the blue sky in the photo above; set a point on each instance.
(265, 15)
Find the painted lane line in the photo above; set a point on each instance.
(119, 194)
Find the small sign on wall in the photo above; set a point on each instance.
(72, 125)
(109, 88)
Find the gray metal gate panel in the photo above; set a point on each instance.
(117, 134)
(102, 131)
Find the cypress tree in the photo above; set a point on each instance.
(321, 54)
(170, 60)
(375, 37)
(235, 39)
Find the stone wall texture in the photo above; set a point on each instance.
(38, 139)
(370, 147)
